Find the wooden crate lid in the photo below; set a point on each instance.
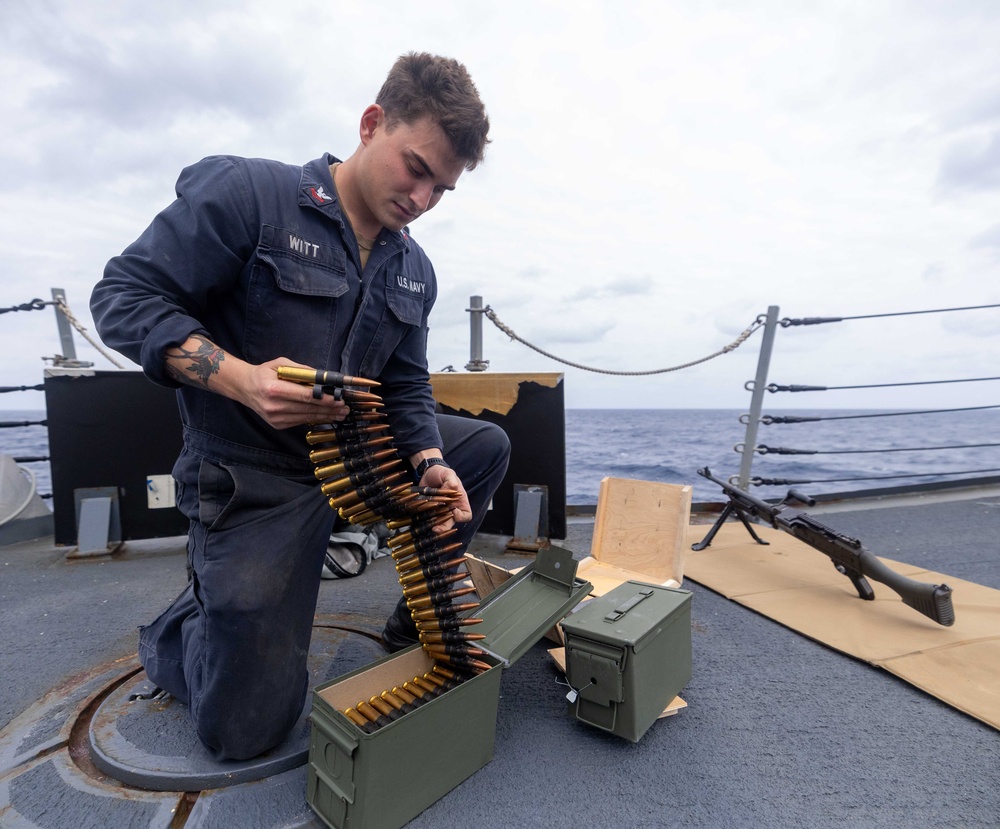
(640, 526)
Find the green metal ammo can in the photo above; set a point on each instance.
(382, 780)
(628, 654)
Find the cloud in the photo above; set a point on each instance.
(619, 287)
(660, 173)
(971, 164)
(981, 324)
(989, 238)
(121, 93)
(934, 273)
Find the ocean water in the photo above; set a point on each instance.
(670, 445)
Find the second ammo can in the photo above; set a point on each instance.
(628, 654)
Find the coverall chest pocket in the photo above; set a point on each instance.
(403, 315)
(297, 299)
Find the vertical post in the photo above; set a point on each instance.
(66, 343)
(757, 398)
(476, 310)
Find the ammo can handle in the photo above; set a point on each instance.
(626, 606)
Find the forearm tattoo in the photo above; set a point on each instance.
(204, 362)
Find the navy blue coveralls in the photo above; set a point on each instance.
(256, 256)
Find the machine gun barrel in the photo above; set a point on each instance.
(848, 554)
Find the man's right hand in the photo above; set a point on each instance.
(279, 403)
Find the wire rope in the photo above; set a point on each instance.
(775, 387)
(796, 481)
(781, 450)
(787, 322)
(768, 420)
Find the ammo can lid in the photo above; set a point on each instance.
(626, 615)
(519, 612)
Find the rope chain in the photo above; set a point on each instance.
(757, 323)
(64, 308)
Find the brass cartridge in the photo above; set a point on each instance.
(426, 542)
(353, 463)
(373, 716)
(429, 688)
(317, 377)
(442, 682)
(461, 661)
(406, 696)
(394, 700)
(442, 611)
(447, 623)
(343, 432)
(359, 478)
(347, 449)
(437, 583)
(386, 499)
(349, 500)
(438, 598)
(447, 673)
(421, 571)
(425, 519)
(384, 708)
(453, 649)
(417, 561)
(365, 725)
(449, 637)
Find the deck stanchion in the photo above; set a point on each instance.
(476, 361)
(757, 397)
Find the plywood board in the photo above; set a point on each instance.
(606, 577)
(486, 576)
(641, 526)
(475, 392)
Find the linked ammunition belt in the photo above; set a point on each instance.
(366, 481)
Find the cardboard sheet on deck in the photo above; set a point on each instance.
(792, 583)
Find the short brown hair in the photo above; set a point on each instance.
(420, 84)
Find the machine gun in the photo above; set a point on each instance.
(848, 554)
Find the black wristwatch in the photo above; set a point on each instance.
(427, 463)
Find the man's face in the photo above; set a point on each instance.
(406, 169)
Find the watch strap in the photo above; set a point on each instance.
(427, 463)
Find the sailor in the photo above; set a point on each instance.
(258, 264)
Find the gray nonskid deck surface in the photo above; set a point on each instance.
(780, 731)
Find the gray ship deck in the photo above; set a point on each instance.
(779, 731)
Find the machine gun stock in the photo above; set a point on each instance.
(848, 554)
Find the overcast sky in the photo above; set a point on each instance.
(660, 174)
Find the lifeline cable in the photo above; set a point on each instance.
(5, 389)
(787, 322)
(767, 420)
(33, 305)
(763, 449)
(775, 387)
(797, 481)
